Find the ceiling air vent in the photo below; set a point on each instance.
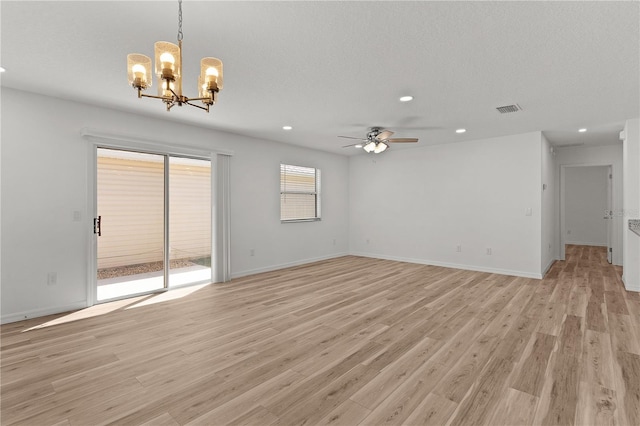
(509, 108)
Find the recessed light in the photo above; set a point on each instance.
(287, 127)
(461, 130)
(406, 98)
(2, 69)
(358, 145)
(582, 130)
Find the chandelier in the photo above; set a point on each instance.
(168, 68)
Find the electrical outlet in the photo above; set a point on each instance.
(489, 251)
(458, 248)
(252, 252)
(52, 278)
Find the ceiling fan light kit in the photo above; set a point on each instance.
(378, 140)
(168, 69)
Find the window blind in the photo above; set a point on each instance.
(299, 193)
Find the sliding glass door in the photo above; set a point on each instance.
(189, 220)
(153, 223)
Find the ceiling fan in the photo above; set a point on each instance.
(378, 140)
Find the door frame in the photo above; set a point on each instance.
(609, 214)
(562, 227)
(220, 215)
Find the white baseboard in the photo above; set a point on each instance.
(284, 265)
(546, 269)
(35, 313)
(580, 243)
(629, 288)
(453, 265)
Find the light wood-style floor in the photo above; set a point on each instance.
(346, 341)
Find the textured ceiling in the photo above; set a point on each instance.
(336, 68)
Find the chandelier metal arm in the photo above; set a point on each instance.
(144, 95)
(177, 100)
(197, 106)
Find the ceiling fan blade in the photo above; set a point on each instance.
(351, 137)
(403, 140)
(384, 135)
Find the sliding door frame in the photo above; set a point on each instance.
(220, 216)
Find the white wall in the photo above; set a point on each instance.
(631, 241)
(585, 193)
(44, 179)
(597, 156)
(419, 204)
(549, 244)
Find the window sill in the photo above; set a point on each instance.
(313, 219)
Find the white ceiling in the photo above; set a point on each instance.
(336, 68)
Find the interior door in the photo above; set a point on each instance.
(130, 226)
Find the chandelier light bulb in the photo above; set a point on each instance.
(168, 63)
(167, 57)
(139, 71)
(211, 75)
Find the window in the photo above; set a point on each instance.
(299, 193)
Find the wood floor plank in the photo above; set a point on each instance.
(578, 300)
(623, 333)
(514, 342)
(400, 403)
(597, 405)
(348, 341)
(597, 360)
(515, 408)
(433, 411)
(596, 315)
(259, 416)
(252, 399)
(164, 419)
(615, 302)
(551, 320)
(627, 371)
(559, 396)
(312, 409)
(478, 406)
(457, 382)
(348, 413)
(532, 371)
(391, 376)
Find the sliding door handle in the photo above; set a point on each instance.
(97, 229)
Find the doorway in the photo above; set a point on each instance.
(153, 223)
(586, 216)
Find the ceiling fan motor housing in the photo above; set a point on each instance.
(373, 134)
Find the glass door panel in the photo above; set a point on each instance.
(130, 245)
(189, 221)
